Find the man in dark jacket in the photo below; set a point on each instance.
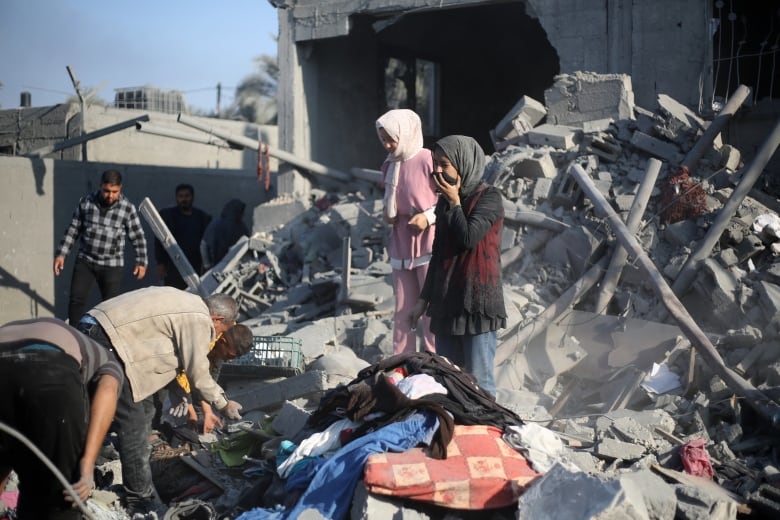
(187, 225)
(222, 233)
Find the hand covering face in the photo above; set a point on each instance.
(467, 157)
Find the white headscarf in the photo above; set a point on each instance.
(405, 128)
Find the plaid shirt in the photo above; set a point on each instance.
(102, 232)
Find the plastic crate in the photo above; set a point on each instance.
(270, 356)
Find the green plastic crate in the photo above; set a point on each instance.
(270, 356)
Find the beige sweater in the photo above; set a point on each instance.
(157, 331)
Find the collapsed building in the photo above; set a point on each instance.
(621, 399)
(647, 421)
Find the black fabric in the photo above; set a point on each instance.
(371, 391)
(43, 398)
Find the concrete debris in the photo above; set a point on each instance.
(563, 362)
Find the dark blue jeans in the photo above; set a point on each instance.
(474, 354)
(44, 398)
(133, 426)
(109, 280)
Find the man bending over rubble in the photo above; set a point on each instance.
(156, 332)
(232, 344)
(47, 370)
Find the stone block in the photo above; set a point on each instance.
(290, 420)
(613, 449)
(624, 202)
(659, 497)
(557, 136)
(586, 96)
(656, 147)
(273, 395)
(700, 503)
(543, 189)
(369, 505)
(276, 213)
(314, 336)
(597, 125)
(562, 493)
(728, 257)
(535, 165)
(682, 233)
(529, 109)
(342, 361)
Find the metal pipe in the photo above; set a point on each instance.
(149, 128)
(287, 157)
(754, 397)
(620, 255)
(56, 147)
(704, 248)
(717, 124)
(166, 238)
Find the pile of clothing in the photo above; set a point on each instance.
(412, 410)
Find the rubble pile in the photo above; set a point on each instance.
(644, 425)
(611, 374)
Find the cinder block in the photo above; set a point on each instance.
(586, 96)
(528, 109)
(369, 505)
(535, 166)
(290, 420)
(274, 395)
(275, 213)
(557, 136)
(657, 148)
(543, 188)
(615, 449)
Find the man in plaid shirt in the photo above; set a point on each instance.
(101, 221)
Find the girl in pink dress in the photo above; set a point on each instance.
(410, 198)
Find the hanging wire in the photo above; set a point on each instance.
(57, 473)
(764, 43)
(742, 42)
(732, 18)
(774, 59)
(719, 6)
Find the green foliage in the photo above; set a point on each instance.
(255, 99)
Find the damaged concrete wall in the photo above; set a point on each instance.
(39, 207)
(24, 130)
(641, 39)
(330, 57)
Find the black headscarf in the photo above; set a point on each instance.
(467, 157)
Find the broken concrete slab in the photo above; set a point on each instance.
(274, 395)
(585, 96)
(560, 493)
(558, 136)
(527, 110)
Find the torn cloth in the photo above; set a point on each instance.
(695, 459)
